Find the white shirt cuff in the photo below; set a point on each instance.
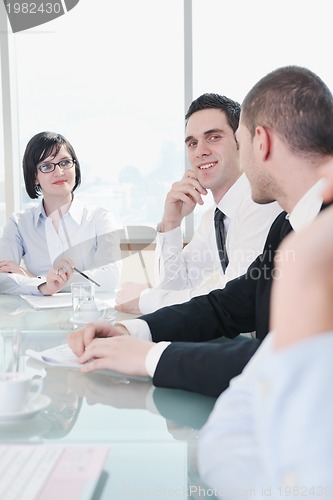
(174, 236)
(13, 283)
(153, 357)
(169, 243)
(137, 328)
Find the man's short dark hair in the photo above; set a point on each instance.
(215, 101)
(295, 103)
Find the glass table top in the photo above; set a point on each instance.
(151, 432)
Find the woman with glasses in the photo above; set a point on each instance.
(60, 233)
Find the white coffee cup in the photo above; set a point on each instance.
(16, 391)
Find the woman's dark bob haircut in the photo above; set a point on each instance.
(42, 146)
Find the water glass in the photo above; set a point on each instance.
(83, 299)
(10, 347)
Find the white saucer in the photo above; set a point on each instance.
(33, 407)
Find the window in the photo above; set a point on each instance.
(3, 25)
(235, 43)
(2, 166)
(109, 77)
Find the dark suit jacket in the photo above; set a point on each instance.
(242, 306)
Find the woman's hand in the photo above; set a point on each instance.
(9, 266)
(57, 277)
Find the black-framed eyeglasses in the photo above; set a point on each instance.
(49, 167)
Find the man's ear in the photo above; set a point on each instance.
(263, 142)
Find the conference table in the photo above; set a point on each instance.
(151, 433)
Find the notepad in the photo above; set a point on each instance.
(45, 472)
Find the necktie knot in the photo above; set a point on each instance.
(220, 233)
(219, 215)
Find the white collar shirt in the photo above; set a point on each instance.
(183, 273)
(88, 234)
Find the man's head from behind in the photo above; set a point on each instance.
(286, 122)
(295, 103)
(211, 123)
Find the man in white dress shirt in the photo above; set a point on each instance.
(183, 273)
(286, 137)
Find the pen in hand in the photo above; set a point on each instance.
(70, 246)
(85, 276)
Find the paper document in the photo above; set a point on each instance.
(49, 301)
(62, 300)
(62, 355)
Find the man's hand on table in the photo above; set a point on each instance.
(111, 348)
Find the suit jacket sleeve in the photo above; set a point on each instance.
(226, 312)
(206, 368)
(242, 306)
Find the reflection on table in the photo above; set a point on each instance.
(15, 312)
(151, 432)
